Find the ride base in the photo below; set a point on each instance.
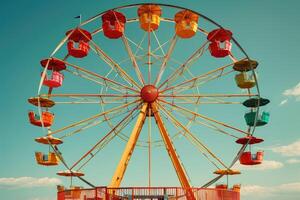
(152, 193)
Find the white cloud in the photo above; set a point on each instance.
(293, 161)
(41, 198)
(283, 102)
(293, 92)
(292, 149)
(28, 182)
(256, 190)
(266, 165)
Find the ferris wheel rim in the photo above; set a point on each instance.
(177, 7)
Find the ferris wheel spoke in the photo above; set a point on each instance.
(108, 140)
(166, 59)
(93, 74)
(180, 70)
(204, 98)
(91, 98)
(93, 117)
(204, 117)
(193, 139)
(106, 136)
(194, 82)
(95, 122)
(114, 65)
(206, 124)
(133, 60)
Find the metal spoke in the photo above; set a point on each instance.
(206, 124)
(93, 117)
(193, 82)
(114, 65)
(105, 79)
(108, 140)
(92, 98)
(204, 117)
(192, 136)
(133, 60)
(180, 70)
(203, 98)
(166, 58)
(103, 138)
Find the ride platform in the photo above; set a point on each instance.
(149, 193)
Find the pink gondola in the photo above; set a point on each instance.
(55, 81)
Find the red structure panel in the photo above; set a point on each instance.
(155, 193)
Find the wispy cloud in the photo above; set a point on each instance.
(28, 182)
(283, 102)
(266, 165)
(41, 198)
(292, 149)
(293, 92)
(293, 161)
(256, 190)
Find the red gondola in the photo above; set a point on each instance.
(251, 159)
(251, 139)
(55, 80)
(46, 119)
(219, 35)
(220, 45)
(218, 51)
(81, 37)
(53, 64)
(113, 24)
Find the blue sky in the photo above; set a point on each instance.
(267, 29)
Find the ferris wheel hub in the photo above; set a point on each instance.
(149, 93)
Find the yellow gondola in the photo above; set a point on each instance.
(149, 17)
(245, 65)
(186, 23)
(244, 81)
(49, 159)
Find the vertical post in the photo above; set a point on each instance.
(96, 198)
(181, 174)
(128, 151)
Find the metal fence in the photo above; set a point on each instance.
(145, 193)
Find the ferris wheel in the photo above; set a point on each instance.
(153, 76)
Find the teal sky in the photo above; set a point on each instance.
(267, 29)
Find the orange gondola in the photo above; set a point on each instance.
(49, 159)
(40, 101)
(186, 23)
(69, 173)
(49, 140)
(149, 17)
(45, 120)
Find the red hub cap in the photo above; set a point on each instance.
(149, 93)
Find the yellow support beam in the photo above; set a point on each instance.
(127, 153)
(172, 153)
